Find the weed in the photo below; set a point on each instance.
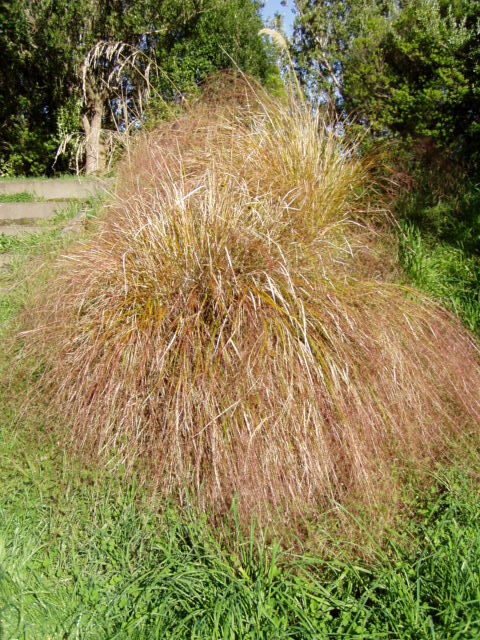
(23, 196)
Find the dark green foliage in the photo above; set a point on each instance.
(416, 73)
(27, 95)
(221, 36)
(44, 42)
(411, 68)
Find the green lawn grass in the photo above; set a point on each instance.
(87, 554)
(440, 247)
(445, 272)
(84, 555)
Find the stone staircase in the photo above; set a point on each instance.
(54, 188)
(26, 206)
(17, 218)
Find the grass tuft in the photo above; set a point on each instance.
(21, 196)
(229, 328)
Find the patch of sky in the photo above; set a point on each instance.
(285, 8)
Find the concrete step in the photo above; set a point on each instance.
(56, 189)
(24, 212)
(19, 229)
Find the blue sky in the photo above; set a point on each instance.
(274, 6)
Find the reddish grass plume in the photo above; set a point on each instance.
(231, 323)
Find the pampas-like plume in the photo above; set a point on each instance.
(276, 37)
(227, 325)
(282, 44)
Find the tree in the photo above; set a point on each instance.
(43, 44)
(211, 35)
(28, 96)
(49, 41)
(323, 34)
(408, 67)
(73, 32)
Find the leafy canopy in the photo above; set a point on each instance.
(44, 42)
(409, 67)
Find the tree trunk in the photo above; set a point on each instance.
(92, 125)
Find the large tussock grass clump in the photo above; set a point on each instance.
(227, 327)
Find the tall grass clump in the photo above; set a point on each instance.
(228, 327)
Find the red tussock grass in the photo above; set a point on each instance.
(225, 327)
